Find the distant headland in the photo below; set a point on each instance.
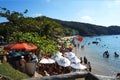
(86, 29)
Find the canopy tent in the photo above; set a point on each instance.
(20, 46)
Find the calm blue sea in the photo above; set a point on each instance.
(94, 53)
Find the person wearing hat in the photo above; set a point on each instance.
(22, 64)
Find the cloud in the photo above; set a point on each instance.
(87, 19)
(113, 3)
(37, 14)
(117, 2)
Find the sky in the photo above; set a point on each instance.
(98, 12)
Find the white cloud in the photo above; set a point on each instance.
(87, 19)
(117, 2)
(37, 14)
(113, 3)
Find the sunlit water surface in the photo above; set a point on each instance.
(94, 53)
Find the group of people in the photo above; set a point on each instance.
(19, 61)
(73, 44)
(86, 62)
(106, 54)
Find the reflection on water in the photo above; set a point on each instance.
(94, 53)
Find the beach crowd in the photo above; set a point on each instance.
(64, 61)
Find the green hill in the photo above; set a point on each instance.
(86, 29)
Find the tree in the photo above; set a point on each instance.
(49, 28)
(11, 16)
(49, 46)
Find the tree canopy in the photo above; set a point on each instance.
(41, 31)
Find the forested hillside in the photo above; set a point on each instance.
(86, 29)
(49, 27)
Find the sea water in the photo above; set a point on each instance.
(94, 53)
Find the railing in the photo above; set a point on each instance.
(69, 76)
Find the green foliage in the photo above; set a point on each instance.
(28, 25)
(11, 73)
(49, 46)
(41, 31)
(49, 28)
(11, 16)
(42, 42)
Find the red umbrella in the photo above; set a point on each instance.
(80, 38)
(20, 46)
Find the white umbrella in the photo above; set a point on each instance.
(44, 61)
(75, 59)
(47, 61)
(63, 62)
(78, 66)
(57, 57)
(59, 53)
(51, 60)
(69, 55)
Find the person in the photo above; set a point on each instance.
(4, 58)
(116, 55)
(118, 76)
(89, 66)
(85, 60)
(34, 59)
(82, 46)
(22, 64)
(81, 60)
(78, 45)
(40, 55)
(106, 54)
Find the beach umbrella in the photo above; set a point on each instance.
(78, 66)
(20, 46)
(79, 38)
(69, 55)
(57, 56)
(63, 62)
(51, 61)
(44, 61)
(75, 59)
(47, 61)
(59, 53)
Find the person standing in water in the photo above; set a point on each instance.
(85, 60)
(89, 66)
